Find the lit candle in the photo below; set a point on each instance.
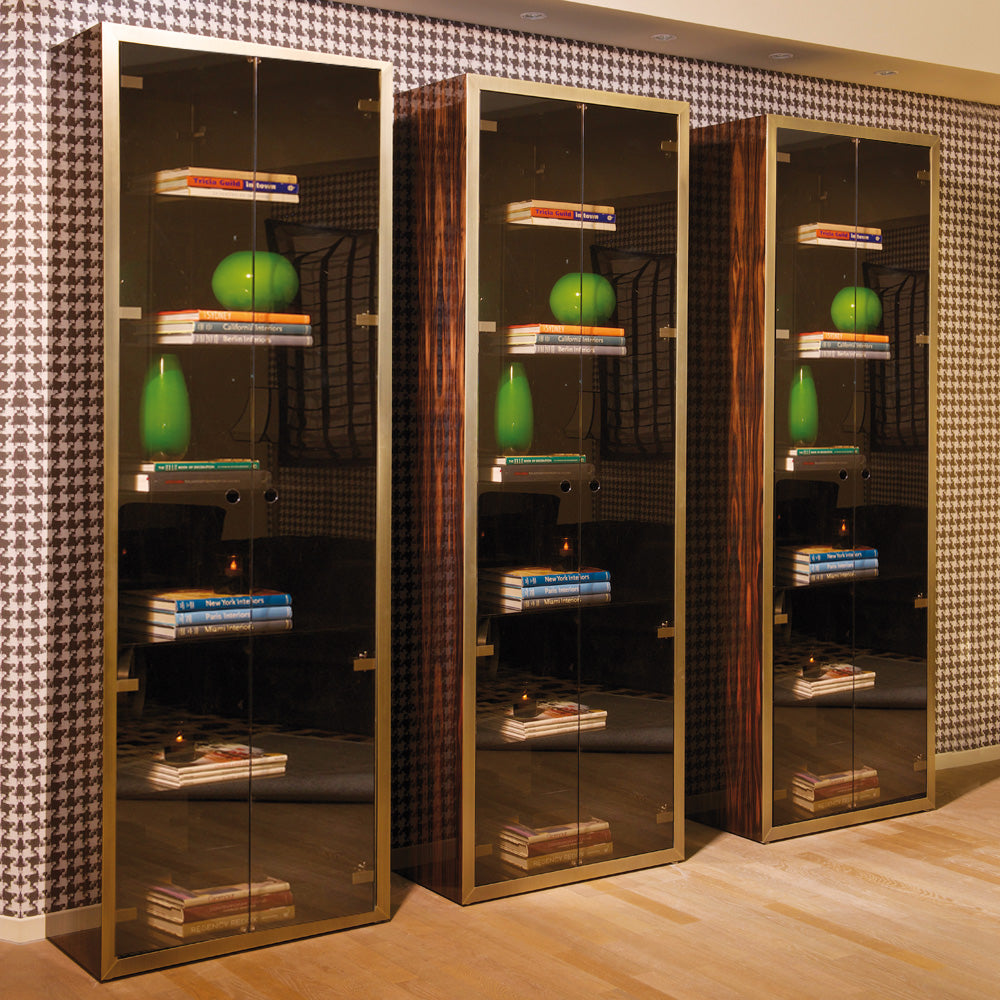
(179, 749)
(525, 707)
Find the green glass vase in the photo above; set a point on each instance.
(803, 408)
(514, 418)
(164, 411)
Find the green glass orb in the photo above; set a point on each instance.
(514, 416)
(164, 409)
(582, 299)
(261, 281)
(856, 310)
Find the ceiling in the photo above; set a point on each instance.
(856, 41)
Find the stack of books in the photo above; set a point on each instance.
(214, 182)
(829, 234)
(825, 678)
(232, 328)
(185, 475)
(210, 762)
(835, 344)
(821, 793)
(529, 848)
(523, 588)
(187, 913)
(168, 615)
(550, 718)
(564, 338)
(573, 215)
(526, 468)
(828, 458)
(804, 565)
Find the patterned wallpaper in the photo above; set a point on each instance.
(50, 808)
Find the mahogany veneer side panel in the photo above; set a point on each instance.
(747, 230)
(436, 129)
(725, 475)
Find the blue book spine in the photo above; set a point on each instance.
(548, 579)
(262, 614)
(236, 601)
(818, 569)
(217, 326)
(597, 339)
(839, 554)
(559, 589)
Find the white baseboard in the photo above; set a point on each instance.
(24, 930)
(963, 758)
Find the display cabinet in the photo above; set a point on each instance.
(544, 731)
(812, 477)
(245, 335)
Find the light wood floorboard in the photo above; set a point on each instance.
(905, 909)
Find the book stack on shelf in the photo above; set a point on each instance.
(524, 588)
(188, 913)
(215, 182)
(828, 234)
(822, 793)
(836, 344)
(527, 468)
(825, 678)
(563, 338)
(233, 328)
(806, 565)
(529, 848)
(209, 762)
(550, 719)
(180, 476)
(567, 214)
(168, 615)
(822, 459)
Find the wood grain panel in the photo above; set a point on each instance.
(747, 228)
(725, 475)
(437, 132)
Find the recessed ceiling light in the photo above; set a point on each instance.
(781, 55)
(534, 15)
(886, 72)
(663, 36)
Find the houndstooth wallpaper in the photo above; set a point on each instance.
(48, 520)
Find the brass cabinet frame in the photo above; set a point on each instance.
(758, 174)
(108, 38)
(422, 862)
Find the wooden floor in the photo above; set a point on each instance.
(907, 908)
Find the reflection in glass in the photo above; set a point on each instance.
(575, 541)
(850, 662)
(246, 757)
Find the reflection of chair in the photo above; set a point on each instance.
(637, 391)
(899, 389)
(327, 392)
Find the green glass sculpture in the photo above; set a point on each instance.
(582, 299)
(514, 418)
(164, 410)
(803, 408)
(259, 280)
(856, 309)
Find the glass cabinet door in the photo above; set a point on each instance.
(850, 510)
(577, 435)
(248, 360)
